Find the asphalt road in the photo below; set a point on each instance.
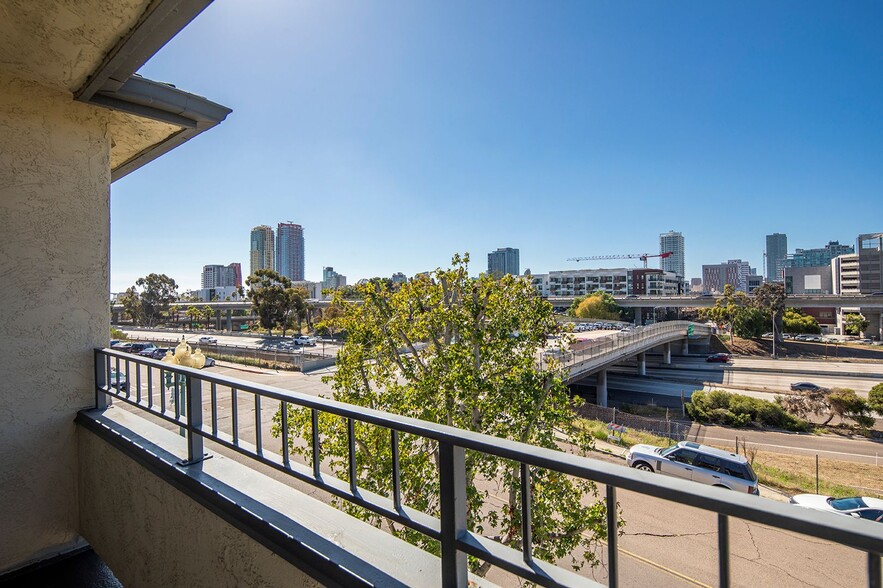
(664, 544)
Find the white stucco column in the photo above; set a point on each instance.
(666, 354)
(54, 242)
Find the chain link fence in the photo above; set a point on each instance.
(668, 428)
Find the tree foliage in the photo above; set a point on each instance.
(855, 324)
(795, 321)
(441, 348)
(726, 309)
(158, 291)
(738, 410)
(839, 402)
(598, 305)
(131, 302)
(269, 299)
(750, 322)
(875, 398)
(769, 298)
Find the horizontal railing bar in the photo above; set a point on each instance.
(163, 415)
(862, 535)
(414, 519)
(537, 571)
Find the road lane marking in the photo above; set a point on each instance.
(640, 558)
(762, 444)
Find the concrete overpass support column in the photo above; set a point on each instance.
(685, 346)
(229, 320)
(601, 388)
(666, 354)
(639, 316)
(642, 364)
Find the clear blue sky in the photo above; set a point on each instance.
(399, 133)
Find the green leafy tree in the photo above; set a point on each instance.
(296, 308)
(158, 292)
(440, 348)
(207, 315)
(875, 398)
(795, 321)
(131, 302)
(750, 322)
(769, 298)
(267, 290)
(194, 314)
(855, 324)
(330, 324)
(598, 305)
(836, 402)
(848, 405)
(726, 308)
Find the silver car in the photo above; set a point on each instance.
(700, 463)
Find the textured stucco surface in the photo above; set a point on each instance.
(150, 534)
(132, 135)
(58, 43)
(54, 235)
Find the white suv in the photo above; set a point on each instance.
(700, 463)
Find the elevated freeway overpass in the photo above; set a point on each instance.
(594, 356)
(870, 301)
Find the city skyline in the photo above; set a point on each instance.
(609, 127)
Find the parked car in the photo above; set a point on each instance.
(860, 507)
(806, 387)
(700, 463)
(139, 347)
(767, 336)
(207, 340)
(304, 340)
(159, 352)
(209, 362)
(864, 341)
(124, 346)
(718, 358)
(118, 381)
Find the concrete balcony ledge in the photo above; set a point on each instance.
(220, 523)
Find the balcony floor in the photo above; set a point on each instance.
(83, 569)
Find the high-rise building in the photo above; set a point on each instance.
(776, 252)
(221, 276)
(263, 250)
(236, 268)
(290, 251)
(672, 242)
(819, 257)
(331, 279)
(503, 261)
(870, 263)
(844, 274)
(399, 278)
(734, 272)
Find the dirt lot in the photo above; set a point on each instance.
(764, 347)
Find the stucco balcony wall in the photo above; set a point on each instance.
(54, 239)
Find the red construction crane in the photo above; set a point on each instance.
(642, 256)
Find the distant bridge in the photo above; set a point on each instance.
(594, 356)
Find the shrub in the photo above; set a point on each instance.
(738, 410)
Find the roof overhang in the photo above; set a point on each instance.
(92, 49)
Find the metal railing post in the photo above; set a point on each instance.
(195, 450)
(875, 575)
(452, 494)
(612, 539)
(101, 369)
(723, 550)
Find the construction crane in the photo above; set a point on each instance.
(642, 256)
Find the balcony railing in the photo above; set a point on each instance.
(198, 423)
